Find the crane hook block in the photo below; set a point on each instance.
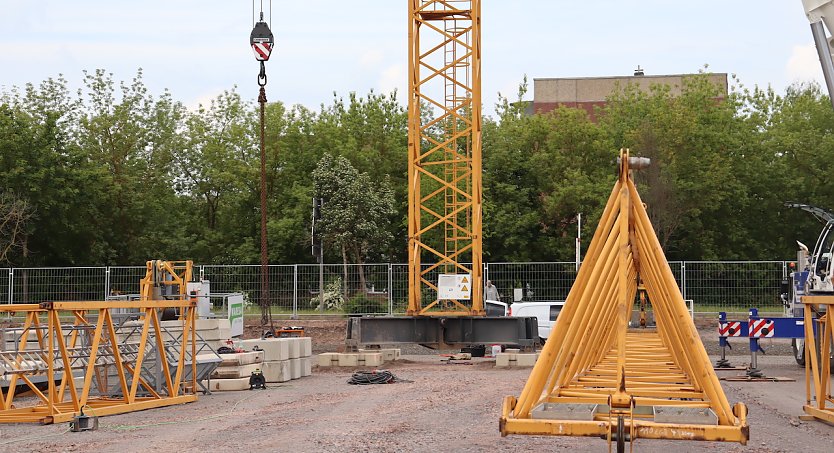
(261, 40)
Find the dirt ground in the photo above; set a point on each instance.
(443, 407)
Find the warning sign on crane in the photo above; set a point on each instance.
(454, 286)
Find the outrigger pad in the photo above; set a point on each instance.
(658, 381)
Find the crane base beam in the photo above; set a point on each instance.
(441, 332)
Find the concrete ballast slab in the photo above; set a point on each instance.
(306, 346)
(328, 359)
(235, 372)
(274, 348)
(295, 347)
(295, 368)
(277, 371)
(229, 385)
(242, 358)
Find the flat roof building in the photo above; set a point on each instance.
(590, 92)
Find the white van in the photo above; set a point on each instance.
(495, 308)
(545, 313)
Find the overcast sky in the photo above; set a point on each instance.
(199, 48)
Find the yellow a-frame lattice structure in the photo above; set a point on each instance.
(596, 376)
(444, 155)
(90, 363)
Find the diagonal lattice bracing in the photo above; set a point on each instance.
(596, 376)
(444, 168)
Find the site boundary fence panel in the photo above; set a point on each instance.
(381, 288)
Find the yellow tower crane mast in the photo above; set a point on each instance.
(444, 159)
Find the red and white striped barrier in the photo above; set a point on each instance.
(729, 329)
(761, 328)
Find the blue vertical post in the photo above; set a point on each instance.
(723, 343)
(753, 370)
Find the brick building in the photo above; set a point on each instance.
(590, 92)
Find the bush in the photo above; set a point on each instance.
(362, 304)
(333, 298)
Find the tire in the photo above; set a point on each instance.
(620, 434)
(798, 346)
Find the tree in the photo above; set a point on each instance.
(14, 213)
(692, 188)
(541, 171)
(356, 212)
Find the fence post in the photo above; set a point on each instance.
(683, 279)
(106, 282)
(784, 270)
(11, 284)
(294, 291)
(390, 289)
(486, 273)
(202, 272)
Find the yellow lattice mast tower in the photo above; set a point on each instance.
(444, 158)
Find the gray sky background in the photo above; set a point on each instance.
(197, 49)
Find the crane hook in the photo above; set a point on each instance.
(262, 75)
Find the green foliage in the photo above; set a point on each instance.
(362, 304)
(334, 298)
(116, 175)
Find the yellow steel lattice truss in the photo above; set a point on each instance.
(596, 377)
(444, 163)
(89, 362)
(819, 401)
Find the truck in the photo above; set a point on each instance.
(811, 273)
(545, 312)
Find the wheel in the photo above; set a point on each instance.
(798, 346)
(620, 434)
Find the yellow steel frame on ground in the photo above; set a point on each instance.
(818, 399)
(444, 163)
(165, 273)
(593, 358)
(60, 355)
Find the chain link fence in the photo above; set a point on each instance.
(383, 288)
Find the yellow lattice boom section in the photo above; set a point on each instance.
(598, 377)
(444, 167)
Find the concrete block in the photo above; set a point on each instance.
(235, 372)
(277, 371)
(502, 360)
(295, 368)
(328, 359)
(228, 385)
(211, 324)
(525, 360)
(388, 355)
(512, 351)
(306, 366)
(242, 358)
(348, 359)
(370, 359)
(306, 346)
(274, 348)
(295, 347)
(215, 334)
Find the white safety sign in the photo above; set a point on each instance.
(454, 287)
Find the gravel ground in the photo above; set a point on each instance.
(445, 407)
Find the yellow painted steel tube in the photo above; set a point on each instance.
(700, 361)
(569, 344)
(553, 348)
